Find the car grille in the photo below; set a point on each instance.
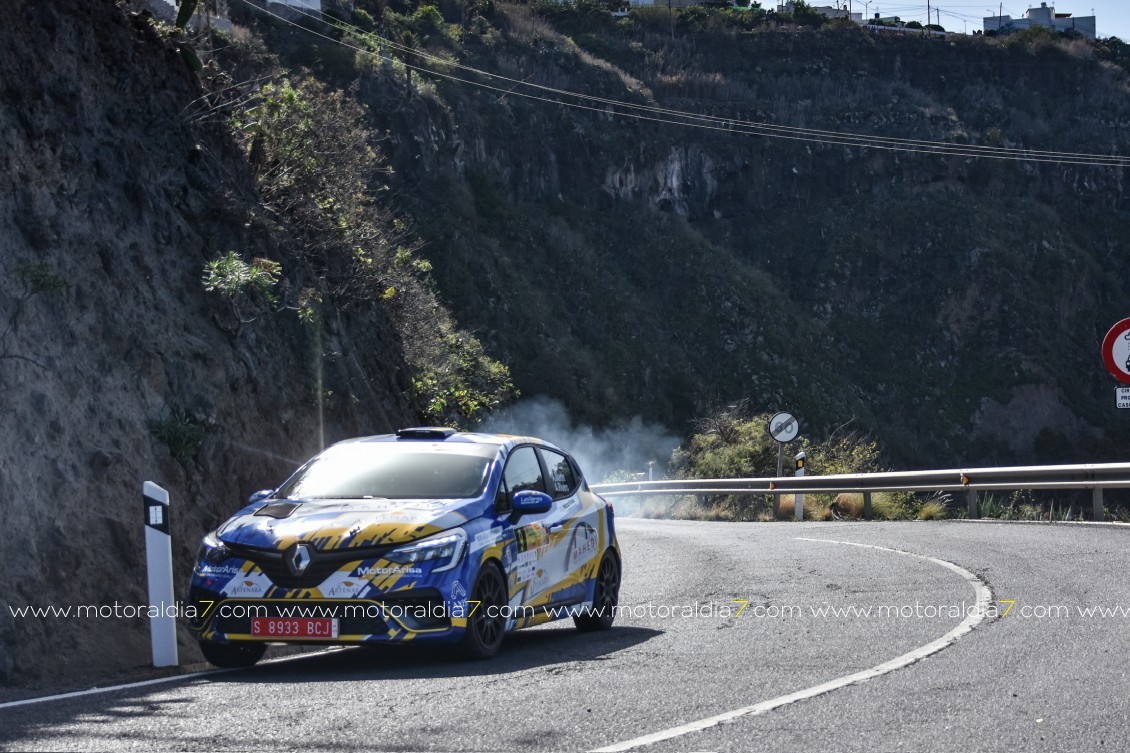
(322, 564)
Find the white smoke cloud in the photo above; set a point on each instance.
(624, 447)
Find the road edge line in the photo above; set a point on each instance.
(156, 681)
(984, 597)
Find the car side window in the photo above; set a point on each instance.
(562, 480)
(523, 471)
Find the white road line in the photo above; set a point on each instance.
(147, 683)
(984, 596)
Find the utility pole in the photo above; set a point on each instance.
(928, 13)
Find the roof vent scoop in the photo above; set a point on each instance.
(425, 432)
(278, 509)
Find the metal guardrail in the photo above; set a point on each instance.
(969, 480)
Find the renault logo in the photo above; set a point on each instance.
(298, 558)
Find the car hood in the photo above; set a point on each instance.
(345, 524)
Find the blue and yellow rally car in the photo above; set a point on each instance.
(424, 535)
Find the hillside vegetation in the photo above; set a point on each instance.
(225, 250)
(952, 306)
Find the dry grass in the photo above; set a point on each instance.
(848, 505)
(933, 510)
(815, 508)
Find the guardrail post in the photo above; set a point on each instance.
(971, 498)
(1097, 501)
(867, 505)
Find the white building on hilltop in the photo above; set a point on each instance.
(1043, 16)
(825, 10)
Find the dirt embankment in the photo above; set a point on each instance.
(112, 199)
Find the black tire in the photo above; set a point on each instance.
(605, 597)
(233, 655)
(486, 626)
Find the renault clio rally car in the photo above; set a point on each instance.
(424, 535)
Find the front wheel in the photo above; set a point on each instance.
(605, 597)
(486, 625)
(233, 655)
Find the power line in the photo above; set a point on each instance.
(708, 122)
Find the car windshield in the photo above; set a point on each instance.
(363, 472)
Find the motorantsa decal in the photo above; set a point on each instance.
(218, 571)
(369, 571)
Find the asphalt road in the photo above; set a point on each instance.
(1044, 677)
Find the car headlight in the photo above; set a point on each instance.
(212, 550)
(445, 549)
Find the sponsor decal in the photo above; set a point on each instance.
(346, 588)
(508, 557)
(458, 593)
(247, 587)
(487, 539)
(540, 581)
(570, 503)
(217, 570)
(368, 572)
(526, 565)
(582, 545)
(531, 537)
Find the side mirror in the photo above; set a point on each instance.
(530, 501)
(260, 495)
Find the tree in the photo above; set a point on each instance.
(805, 15)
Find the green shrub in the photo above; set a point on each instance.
(40, 278)
(427, 21)
(180, 433)
(363, 20)
(232, 277)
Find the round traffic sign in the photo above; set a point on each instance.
(784, 428)
(1116, 351)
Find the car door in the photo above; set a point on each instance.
(575, 530)
(537, 564)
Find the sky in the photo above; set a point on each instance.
(1112, 16)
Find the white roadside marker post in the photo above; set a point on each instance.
(159, 564)
(799, 506)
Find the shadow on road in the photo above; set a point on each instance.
(144, 708)
(524, 650)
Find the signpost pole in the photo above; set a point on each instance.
(159, 564)
(798, 508)
(783, 427)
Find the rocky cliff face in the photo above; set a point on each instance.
(111, 202)
(952, 305)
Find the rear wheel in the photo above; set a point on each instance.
(605, 597)
(230, 655)
(486, 625)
